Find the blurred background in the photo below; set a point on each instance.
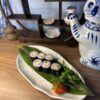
(46, 9)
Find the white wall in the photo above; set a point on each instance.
(47, 9)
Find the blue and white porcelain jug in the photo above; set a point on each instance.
(88, 34)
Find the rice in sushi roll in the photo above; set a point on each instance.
(33, 54)
(49, 57)
(37, 64)
(55, 68)
(41, 55)
(46, 66)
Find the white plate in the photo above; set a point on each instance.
(41, 84)
(52, 33)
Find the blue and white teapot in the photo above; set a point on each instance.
(88, 34)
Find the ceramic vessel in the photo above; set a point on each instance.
(88, 34)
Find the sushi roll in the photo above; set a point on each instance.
(41, 55)
(33, 54)
(49, 57)
(37, 64)
(46, 66)
(55, 68)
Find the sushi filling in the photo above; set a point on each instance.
(55, 68)
(49, 57)
(41, 55)
(37, 63)
(33, 54)
(46, 65)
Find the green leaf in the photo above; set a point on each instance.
(25, 56)
(81, 89)
(24, 52)
(67, 77)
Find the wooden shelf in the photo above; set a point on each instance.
(29, 34)
(23, 17)
(34, 37)
(70, 43)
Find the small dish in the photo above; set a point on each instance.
(52, 33)
(48, 21)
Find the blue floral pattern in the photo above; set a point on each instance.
(71, 16)
(98, 2)
(95, 61)
(75, 31)
(92, 26)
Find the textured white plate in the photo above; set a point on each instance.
(52, 33)
(38, 82)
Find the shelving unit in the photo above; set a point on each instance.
(27, 35)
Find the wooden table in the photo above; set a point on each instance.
(14, 87)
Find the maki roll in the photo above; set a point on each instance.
(49, 57)
(33, 54)
(41, 55)
(55, 68)
(37, 64)
(46, 66)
